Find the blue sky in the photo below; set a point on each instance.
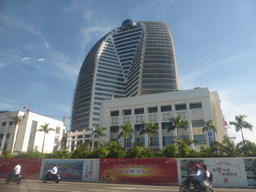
(43, 45)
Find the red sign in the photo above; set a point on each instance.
(30, 168)
(140, 171)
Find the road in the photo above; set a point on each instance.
(38, 185)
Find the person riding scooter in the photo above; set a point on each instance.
(199, 176)
(53, 171)
(206, 175)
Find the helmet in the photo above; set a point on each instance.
(197, 166)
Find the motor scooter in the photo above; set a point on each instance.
(49, 177)
(185, 187)
(13, 178)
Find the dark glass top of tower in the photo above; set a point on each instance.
(128, 24)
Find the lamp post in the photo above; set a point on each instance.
(93, 139)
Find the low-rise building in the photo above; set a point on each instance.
(196, 106)
(74, 139)
(23, 135)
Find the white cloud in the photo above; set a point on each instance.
(9, 104)
(19, 23)
(41, 59)
(65, 66)
(1, 64)
(231, 108)
(47, 45)
(26, 58)
(188, 79)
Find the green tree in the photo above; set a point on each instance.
(100, 152)
(208, 126)
(177, 123)
(150, 129)
(60, 154)
(183, 149)
(100, 131)
(240, 123)
(227, 147)
(16, 121)
(246, 148)
(127, 132)
(170, 151)
(115, 149)
(187, 141)
(45, 128)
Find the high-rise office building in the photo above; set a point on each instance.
(134, 59)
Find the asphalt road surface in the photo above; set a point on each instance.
(38, 185)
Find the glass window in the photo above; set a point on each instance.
(195, 105)
(201, 139)
(152, 110)
(183, 137)
(127, 112)
(4, 123)
(166, 108)
(96, 143)
(114, 113)
(97, 114)
(168, 140)
(96, 108)
(10, 123)
(141, 141)
(166, 125)
(57, 130)
(198, 123)
(1, 136)
(139, 111)
(154, 141)
(79, 136)
(95, 119)
(87, 136)
(139, 127)
(5, 146)
(129, 142)
(8, 135)
(114, 129)
(180, 107)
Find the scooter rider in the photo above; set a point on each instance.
(53, 171)
(199, 176)
(16, 170)
(206, 176)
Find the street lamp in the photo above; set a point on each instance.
(93, 139)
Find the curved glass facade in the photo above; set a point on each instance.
(135, 59)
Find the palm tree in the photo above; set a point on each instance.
(100, 131)
(208, 126)
(228, 147)
(16, 120)
(45, 129)
(177, 123)
(150, 129)
(240, 123)
(246, 148)
(187, 141)
(127, 131)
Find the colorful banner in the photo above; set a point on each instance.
(91, 170)
(69, 169)
(73, 169)
(227, 172)
(140, 171)
(30, 168)
(186, 167)
(250, 168)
